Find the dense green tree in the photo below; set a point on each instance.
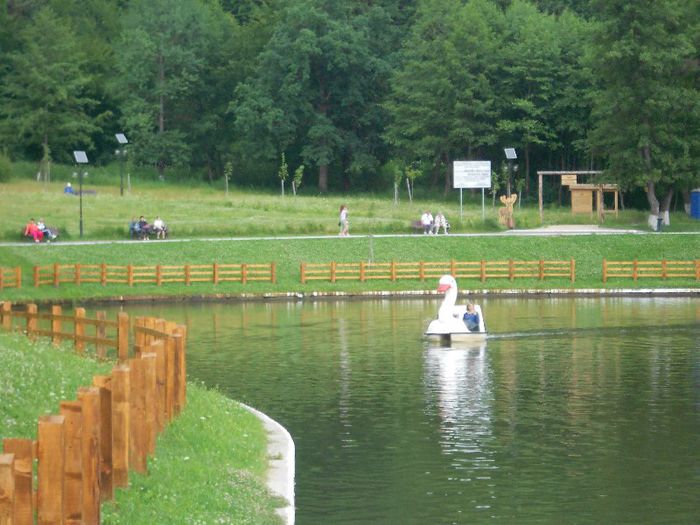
(646, 110)
(163, 60)
(316, 89)
(442, 100)
(44, 105)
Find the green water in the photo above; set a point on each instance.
(573, 410)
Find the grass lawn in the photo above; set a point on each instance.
(210, 462)
(588, 252)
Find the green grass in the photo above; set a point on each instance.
(587, 250)
(210, 461)
(208, 469)
(199, 210)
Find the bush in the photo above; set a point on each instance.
(5, 168)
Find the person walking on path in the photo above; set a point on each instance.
(343, 222)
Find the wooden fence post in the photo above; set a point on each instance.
(2, 278)
(7, 489)
(170, 351)
(7, 315)
(101, 333)
(31, 320)
(453, 268)
(697, 269)
(187, 274)
(333, 265)
(362, 271)
(121, 421)
(122, 336)
(18, 277)
(104, 385)
(393, 270)
(181, 360)
(511, 269)
(160, 399)
(149, 371)
(56, 274)
(56, 325)
(541, 270)
(79, 330)
(303, 273)
(483, 270)
(273, 272)
(421, 270)
(137, 415)
(72, 413)
(664, 271)
(635, 269)
(573, 270)
(605, 270)
(36, 277)
(215, 274)
(103, 274)
(24, 451)
(76, 274)
(159, 275)
(244, 273)
(89, 398)
(50, 470)
(130, 275)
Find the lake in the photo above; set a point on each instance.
(583, 410)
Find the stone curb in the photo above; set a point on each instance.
(281, 463)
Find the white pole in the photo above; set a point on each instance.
(461, 216)
(483, 210)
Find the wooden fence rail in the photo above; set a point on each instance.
(10, 277)
(84, 452)
(104, 274)
(482, 270)
(662, 269)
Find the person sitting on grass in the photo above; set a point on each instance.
(33, 231)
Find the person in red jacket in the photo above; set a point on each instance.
(32, 230)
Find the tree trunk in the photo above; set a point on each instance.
(651, 198)
(323, 178)
(161, 111)
(448, 174)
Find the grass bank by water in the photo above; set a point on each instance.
(210, 462)
(588, 251)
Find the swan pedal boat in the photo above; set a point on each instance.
(450, 325)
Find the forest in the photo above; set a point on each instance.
(356, 95)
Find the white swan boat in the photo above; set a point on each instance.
(450, 324)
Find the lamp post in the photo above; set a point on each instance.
(510, 156)
(121, 138)
(80, 158)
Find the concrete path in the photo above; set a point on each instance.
(281, 464)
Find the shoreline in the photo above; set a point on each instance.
(368, 295)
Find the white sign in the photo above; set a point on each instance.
(471, 174)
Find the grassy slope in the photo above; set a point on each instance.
(210, 461)
(588, 251)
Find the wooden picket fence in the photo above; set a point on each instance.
(10, 277)
(662, 269)
(104, 274)
(86, 450)
(483, 270)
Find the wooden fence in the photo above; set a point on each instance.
(10, 277)
(482, 270)
(651, 269)
(86, 450)
(104, 274)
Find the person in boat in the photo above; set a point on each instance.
(471, 318)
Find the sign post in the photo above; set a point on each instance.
(472, 174)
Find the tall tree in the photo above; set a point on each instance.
(441, 104)
(646, 111)
(162, 64)
(44, 103)
(314, 89)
